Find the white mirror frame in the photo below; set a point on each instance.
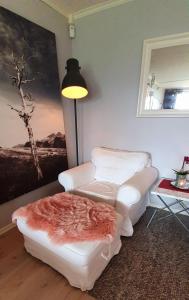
(148, 46)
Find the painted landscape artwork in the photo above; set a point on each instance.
(32, 138)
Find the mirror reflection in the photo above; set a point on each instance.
(168, 79)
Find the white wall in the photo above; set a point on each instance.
(109, 48)
(39, 13)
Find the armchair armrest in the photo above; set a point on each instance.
(137, 186)
(75, 177)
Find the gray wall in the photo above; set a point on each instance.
(41, 14)
(109, 47)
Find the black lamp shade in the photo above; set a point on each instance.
(73, 85)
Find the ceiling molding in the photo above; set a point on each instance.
(87, 11)
(97, 8)
(55, 7)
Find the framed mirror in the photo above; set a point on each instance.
(164, 81)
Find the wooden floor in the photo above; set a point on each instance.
(22, 277)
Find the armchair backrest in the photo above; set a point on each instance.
(117, 166)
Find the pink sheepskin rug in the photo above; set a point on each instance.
(69, 218)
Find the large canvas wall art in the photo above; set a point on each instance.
(32, 138)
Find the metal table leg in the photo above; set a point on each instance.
(163, 208)
(169, 215)
(178, 219)
(186, 209)
(153, 215)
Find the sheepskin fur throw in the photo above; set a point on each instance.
(69, 218)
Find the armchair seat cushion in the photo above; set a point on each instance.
(98, 191)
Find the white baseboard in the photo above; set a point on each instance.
(7, 228)
(175, 210)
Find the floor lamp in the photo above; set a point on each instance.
(74, 87)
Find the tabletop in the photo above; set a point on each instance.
(170, 192)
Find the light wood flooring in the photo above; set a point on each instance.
(22, 277)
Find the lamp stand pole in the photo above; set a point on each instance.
(76, 133)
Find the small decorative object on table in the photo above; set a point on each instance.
(181, 175)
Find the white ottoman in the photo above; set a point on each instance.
(81, 263)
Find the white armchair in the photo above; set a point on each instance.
(121, 178)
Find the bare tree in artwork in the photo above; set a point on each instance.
(27, 106)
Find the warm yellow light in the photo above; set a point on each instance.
(74, 92)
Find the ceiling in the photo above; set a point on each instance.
(71, 7)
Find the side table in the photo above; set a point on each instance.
(163, 189)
